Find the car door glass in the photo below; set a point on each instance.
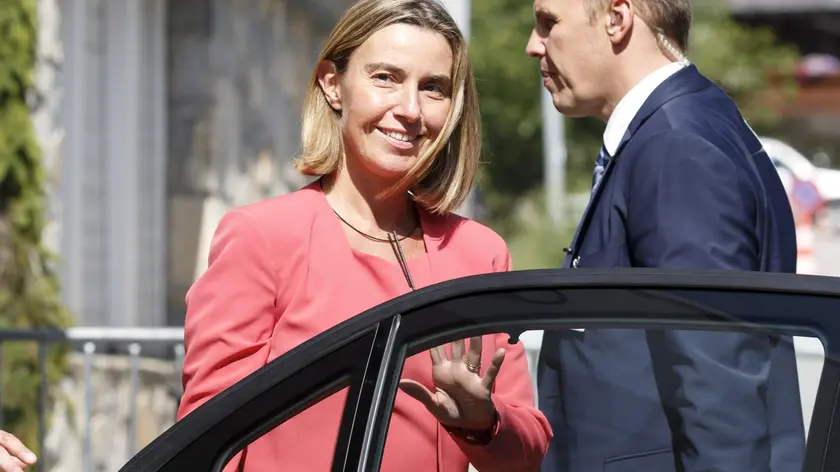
(300, 408)
(305, 441)
(620, 392)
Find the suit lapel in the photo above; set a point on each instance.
(572, 256)
(687, 80)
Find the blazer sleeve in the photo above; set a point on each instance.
(690, 207)
(231, 313)
(523, 433)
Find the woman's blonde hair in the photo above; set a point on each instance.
(443, 177)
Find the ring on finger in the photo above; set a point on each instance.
(473, 368)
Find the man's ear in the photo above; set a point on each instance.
(328, 79)
(619, 21)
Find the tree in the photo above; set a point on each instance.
(742, 60)
(29, 291)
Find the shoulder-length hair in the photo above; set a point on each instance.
(442, 178)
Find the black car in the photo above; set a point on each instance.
(366, 353)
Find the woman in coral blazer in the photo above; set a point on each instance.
(391, 128)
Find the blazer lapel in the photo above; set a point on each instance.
(687, 80)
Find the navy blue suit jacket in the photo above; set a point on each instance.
(689, 187)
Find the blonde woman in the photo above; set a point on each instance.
(391, 128)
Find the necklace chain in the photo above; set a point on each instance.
(392, 239)
(370, 236)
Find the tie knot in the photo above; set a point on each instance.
(603, 157)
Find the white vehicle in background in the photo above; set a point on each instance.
(786, 157)
(793, 166)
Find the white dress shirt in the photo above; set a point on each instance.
(630, 105)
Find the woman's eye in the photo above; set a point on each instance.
(434, 88)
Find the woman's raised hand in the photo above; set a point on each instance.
(462, 397)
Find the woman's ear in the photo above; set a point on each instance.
(328, 79)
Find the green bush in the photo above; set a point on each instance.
(29, 290)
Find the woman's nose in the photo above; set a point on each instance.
(408, 106)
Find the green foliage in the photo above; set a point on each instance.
(740, 59)
(29, 291)
(536, 244)
(509, 85)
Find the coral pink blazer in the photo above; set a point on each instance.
(282, 271)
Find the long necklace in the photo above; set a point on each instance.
(372, 237)
(392, 239)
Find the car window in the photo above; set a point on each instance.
(607, 331)
(616, 389)
(282, 444)
(629, 344)
(330, 377)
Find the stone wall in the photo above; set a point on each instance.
(156, 404)
(46, 109)
(238, 72)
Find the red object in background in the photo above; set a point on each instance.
(816, 65)
(806, 196)
(806, 202)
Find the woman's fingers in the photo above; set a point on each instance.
(10, 463)
(493, 370)
(438, 355)
(474, 354)
(457, 348)
(14, 456)
(419, 392)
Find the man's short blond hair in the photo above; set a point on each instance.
(443, 177)
(672, 18)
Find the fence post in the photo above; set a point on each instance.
(87, 459)
(134, 352)
(42, 404)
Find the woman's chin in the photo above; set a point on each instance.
(393, 167)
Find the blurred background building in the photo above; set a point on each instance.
(157, 116)
(166, 114)
(160, 115)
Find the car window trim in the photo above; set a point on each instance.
(819, 455)
(367, 403)
(386, 380)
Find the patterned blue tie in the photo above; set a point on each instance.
(600, 166)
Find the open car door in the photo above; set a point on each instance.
(363, 359)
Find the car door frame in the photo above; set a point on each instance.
(397, 329)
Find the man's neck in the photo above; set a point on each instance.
(630, 72)
(632, 102)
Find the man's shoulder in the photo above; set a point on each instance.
(706, 121)
(709, 114)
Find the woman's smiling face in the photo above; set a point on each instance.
(394, 98)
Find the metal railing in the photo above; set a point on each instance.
(91, 339)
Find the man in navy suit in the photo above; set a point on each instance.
(681, 182)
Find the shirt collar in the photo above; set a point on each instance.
(628, 106)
